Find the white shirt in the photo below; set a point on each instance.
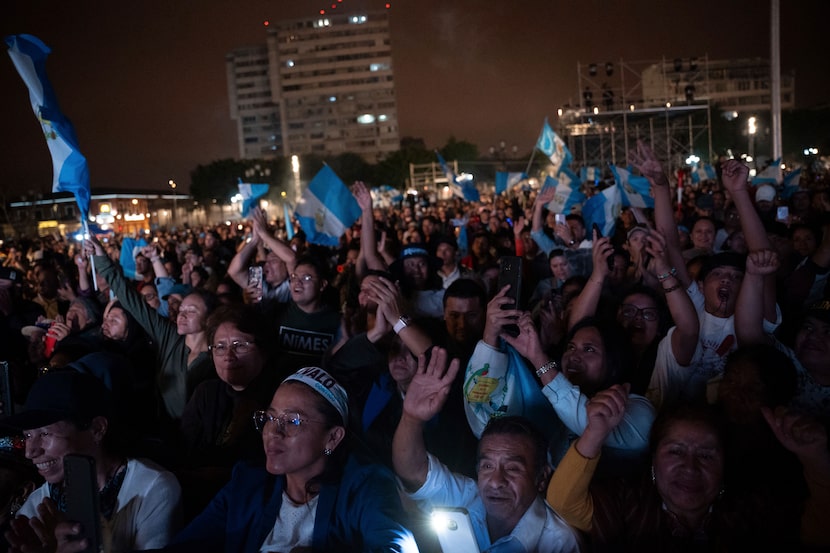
(294, 526)
(147, 510)
(539, 530)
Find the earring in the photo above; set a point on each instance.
(327, 452)
(653, 476)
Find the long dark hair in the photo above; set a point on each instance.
(615, 345)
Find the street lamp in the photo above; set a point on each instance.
(172, 185)
(751, 129)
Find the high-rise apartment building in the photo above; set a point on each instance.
(249, 91)
(331, 87)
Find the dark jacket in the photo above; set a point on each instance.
(361, 513)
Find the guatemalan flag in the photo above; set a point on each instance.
(130, 248)
(326, 209)
(791, 182)
(251, 193)
(568, 193)
(553, 146)
(770, 175)
(464, 189)
(635, 191)
(385, 196)
(603, 209)
(506, 181)
(70, 172)
(703, 172)
(590, 174)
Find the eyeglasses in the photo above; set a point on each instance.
(239, 348)
(149, 297)
(631, 311)
(287, 423)
(303, 278)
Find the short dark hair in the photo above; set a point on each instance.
(466, 288)
(521, 427)
(556, 252)
(697, 412)
(313, 261)
(575, 217)
(245, 318)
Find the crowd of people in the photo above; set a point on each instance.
(662, 388)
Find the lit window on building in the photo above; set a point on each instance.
(366, 119)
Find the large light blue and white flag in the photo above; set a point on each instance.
(326, 209)
(251, 193)
(506, 181)
(791, 183)
(553, 146)
(590, 174)
(603, 209)
(70, 172)
(770, 175)
(568, 193)
(703, 172)
(461, 188)
(130, 248)
(635, 191)
(385, 196)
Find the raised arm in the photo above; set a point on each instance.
(390, 310)
(368, 244)
(537, 231)
(152, 253)
(749, 311)
(424, 399)
(687, 326)
(735, 176)
(585, 304)
(648, 164)
(238, 267)
(283, 251)
(568, 489)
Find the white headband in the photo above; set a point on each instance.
(325, 385)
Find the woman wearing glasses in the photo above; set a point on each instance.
(311, 494)
(306, 325)
(216, 424)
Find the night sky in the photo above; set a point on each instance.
(144, 82)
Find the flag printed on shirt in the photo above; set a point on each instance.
(70, 172)
(326, 209)
(251, 193)
(550, 144)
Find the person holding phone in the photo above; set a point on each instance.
(69, 412)
(505, 507)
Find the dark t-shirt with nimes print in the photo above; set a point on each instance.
(303, 338)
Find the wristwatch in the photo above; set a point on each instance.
(549, 366)
(402, 323)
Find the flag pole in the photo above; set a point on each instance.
(530, 161)
(85, 224)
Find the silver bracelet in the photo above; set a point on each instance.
(549, 366)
